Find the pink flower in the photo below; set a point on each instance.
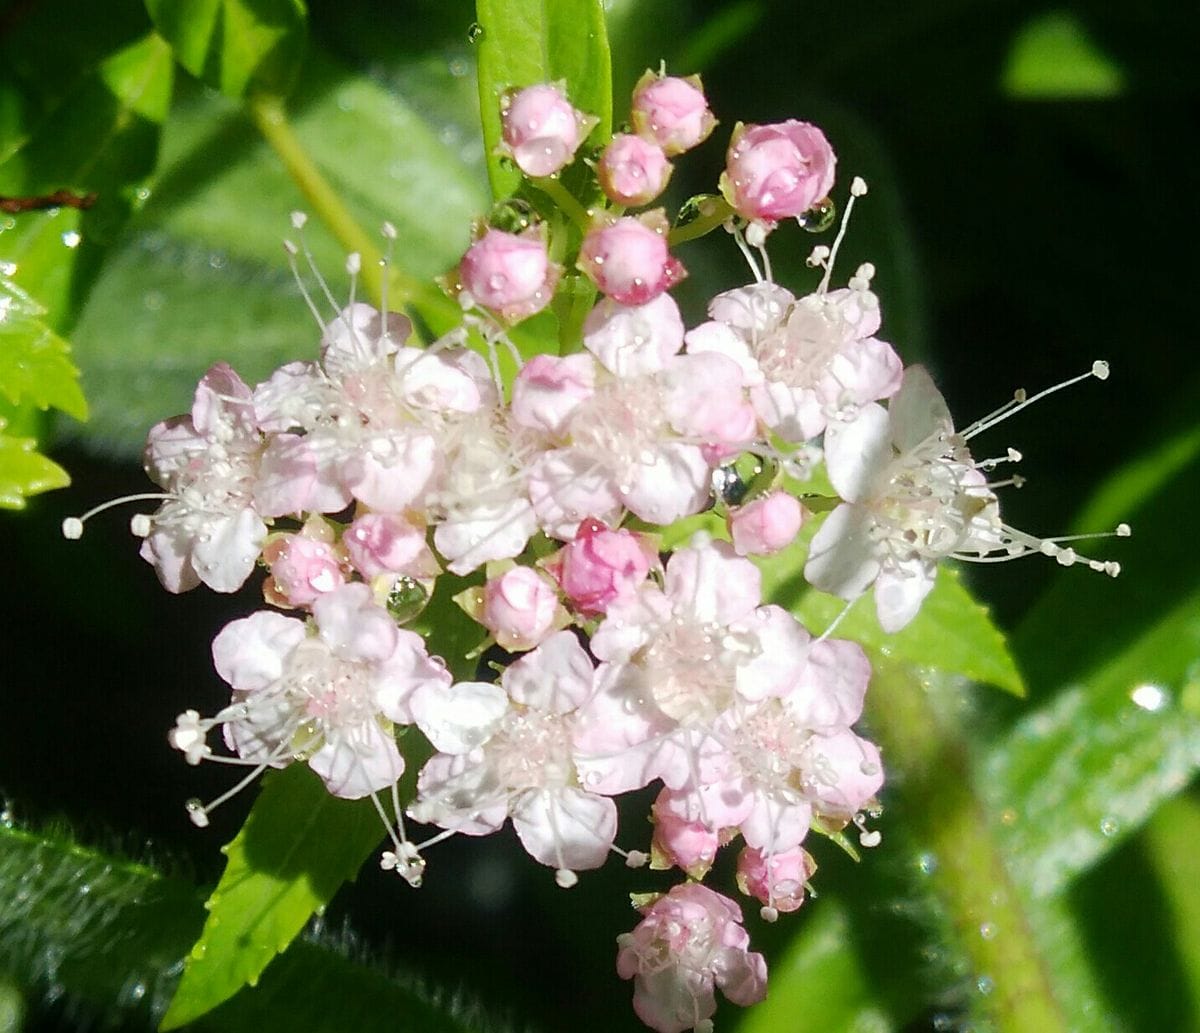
(381, 543)
(632, 171)
(510, 754)
(601, 567)
(777, 880)
(671, 111)
(509, 273)
(766, 524)
(540, 129)
(776, 171)
(628, 258)
(548, 389)
(689, 845)
(519, 608)
(633, 339)
(687, 943)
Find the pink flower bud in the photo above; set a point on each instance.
(601, 567)
(778, 881)
(519, 608)
(671, 111)
(303, 568)
(541, 130)
(766, 525)
(380, 543)
(633, 171)
(776, 171)
(548, 389)
(688, 845)
(509, 273)
(628, 258)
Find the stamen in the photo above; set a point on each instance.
(858, 188)
(1021, 401)
(72, 527)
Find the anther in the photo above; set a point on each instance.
(565, 878)
(768, 913)
(299, 219)
(858, 186)
(72, 528)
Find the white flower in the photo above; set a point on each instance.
(913, 496)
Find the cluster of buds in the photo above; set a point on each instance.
(359, 478)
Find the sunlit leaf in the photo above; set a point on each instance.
(235, 46)
(522, 44)
(35, 368)
(298, 845)
(24, 471)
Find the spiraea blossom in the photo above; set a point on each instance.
(387, 474)
(688, 943)
(327, 694)
(914, 496)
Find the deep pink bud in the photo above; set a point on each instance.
(628, 258)
(778, 881)
(541, 130)
(303, 568)
(777, 171)
(601, 567)
(519, 608)
(688, 845)
(766, 525)
(380, 543)
(509, 273)
(633, 171)
(671, 111)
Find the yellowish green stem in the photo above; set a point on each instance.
(924, 744)
(565, 200)
(698, 227)
(403, 290)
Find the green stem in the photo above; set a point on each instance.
(565, 200)
(271, 119)
(925, 745)
(706, 223)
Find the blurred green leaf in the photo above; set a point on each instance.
(521, 44)
(1055, 58)
(202, 276)
(298, 845)
(819, 984)
(24, 471)
(235, 46)
(1171, 841)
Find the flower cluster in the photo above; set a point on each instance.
(358, 478)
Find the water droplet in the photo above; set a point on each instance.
(985, 984)
(406, 599)
(474, 32)
(696, 207)
(819, 217)
(1109, 827)
(988, 930)
(459, 67)
(927, 863)
(71, 238)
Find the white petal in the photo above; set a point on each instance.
(460, 793)
(917, 410)
(458, 719)
(249, 653)
(358, 762)
(225, 552)
(712, 584)
(719, 338)
(469, 540)
(843, 557)
(675, 483)
(857, 451)
(565, 828)
(900, 589)
(556, 677)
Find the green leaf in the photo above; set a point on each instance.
(25, 472)
(522, 43)
(235, 46)
(202, 276)
(34, 366)
(819, 983)
(1055, 58)
(953, 632)
(1171, 839)
(100, 138)
(299, 844)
